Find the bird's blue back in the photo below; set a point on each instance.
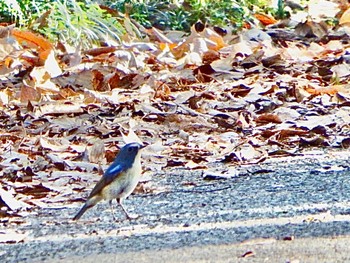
(124, 161)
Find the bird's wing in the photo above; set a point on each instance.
(111, 173)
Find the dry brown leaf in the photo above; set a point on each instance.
(291, 132)
(157, 34)
(268, 118)
(192, 165)
(97, 152)
(98, 51)
(10, 201)
(215, 41)
(345, 18)
(29, 94)
(7, 46)
(59, 108)
(32, 40)
(311, 29)
(55, 145)
(265, 19)
(324, 90)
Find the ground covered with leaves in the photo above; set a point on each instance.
(199, 99)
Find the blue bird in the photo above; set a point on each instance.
(119, 180)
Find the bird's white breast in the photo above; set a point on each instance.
(124, 184)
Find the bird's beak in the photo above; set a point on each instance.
(143, 145)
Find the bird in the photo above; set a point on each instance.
(118, 181)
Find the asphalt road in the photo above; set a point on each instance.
(286, 207)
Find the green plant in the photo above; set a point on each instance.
(173, 15)
(21, 12)
(84, 22)
(218, 13)
(145, 12)
(80, 23)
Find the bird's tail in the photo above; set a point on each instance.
(81, 212)
(89, 203)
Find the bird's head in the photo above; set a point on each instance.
(128, 153)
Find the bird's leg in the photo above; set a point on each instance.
(111, 205)
(126, 213)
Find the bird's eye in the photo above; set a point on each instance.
(131, 149)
